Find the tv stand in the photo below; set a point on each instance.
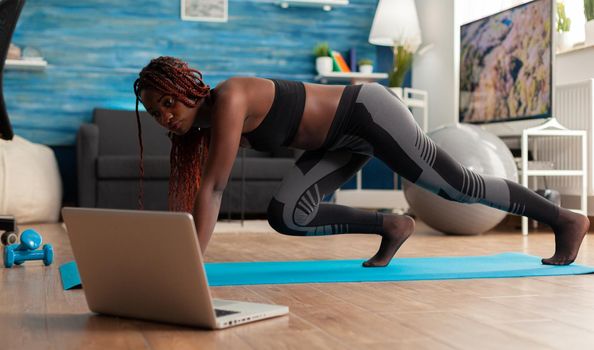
(553, 128)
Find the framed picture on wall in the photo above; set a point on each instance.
(204, 10)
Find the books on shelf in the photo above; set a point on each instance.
(353, 59)
(339, 62)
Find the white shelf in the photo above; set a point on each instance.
(326, 5)
(545, 172)
(353, 77)
(553, 128)
(34, 65)
(555, 133)
(415, 103)
(577, 47)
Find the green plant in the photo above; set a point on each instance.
(589, 9)
(365, 61)
(563, 22)
(403, 59)
(321, 49)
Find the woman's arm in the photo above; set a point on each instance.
(227, 123)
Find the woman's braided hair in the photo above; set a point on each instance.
(174, 77)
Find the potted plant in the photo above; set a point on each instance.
(323, 59)
(403, 58)
(589, 12)
(563, 26)
(365, 65)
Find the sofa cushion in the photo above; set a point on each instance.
(283, 152)
(119, 133)
(262, 168)
(157, 167)
(252, 153)
(256, 196)
(123, 194)
(30, 186)
(127, 167)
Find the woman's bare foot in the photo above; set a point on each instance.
(569, 233)
(397, 229)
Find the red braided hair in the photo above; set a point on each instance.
(174, 77)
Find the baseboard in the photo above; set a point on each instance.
(514, 223)
(573, 201)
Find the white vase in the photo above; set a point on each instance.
(324, 65)
(590, 33)
(366, 68)
(564, 41)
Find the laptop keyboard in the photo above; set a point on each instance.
(221, 313)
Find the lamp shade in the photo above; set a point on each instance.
(396, 23)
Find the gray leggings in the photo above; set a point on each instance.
(373, 122)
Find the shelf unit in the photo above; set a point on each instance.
(326, 5)
(31, 65)
(352, 77)
(554, 128)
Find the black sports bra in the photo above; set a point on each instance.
(282, 121)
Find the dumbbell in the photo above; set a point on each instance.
(10, 234)
(27, 250)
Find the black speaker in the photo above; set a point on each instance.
(552, 195)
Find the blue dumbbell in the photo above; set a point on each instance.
(27, 250)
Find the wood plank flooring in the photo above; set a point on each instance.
(518, 313)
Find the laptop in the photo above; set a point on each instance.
(148, 265)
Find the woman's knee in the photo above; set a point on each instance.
(277, 219)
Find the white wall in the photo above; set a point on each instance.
(434, 71)
(437, 71)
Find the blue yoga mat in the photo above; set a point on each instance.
(70, 276)
(400, 269)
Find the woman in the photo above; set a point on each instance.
(340, 128)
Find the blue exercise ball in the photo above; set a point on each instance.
(478, 150)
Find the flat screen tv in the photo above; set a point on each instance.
(506, 65)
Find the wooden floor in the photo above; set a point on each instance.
(520, 313)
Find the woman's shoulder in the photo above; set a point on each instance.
(249, 88)
(232, 89)
(238, 82)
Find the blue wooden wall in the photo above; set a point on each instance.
(95, 49)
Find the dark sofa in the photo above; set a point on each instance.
(108, 175)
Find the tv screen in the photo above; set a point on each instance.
(506, 65)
